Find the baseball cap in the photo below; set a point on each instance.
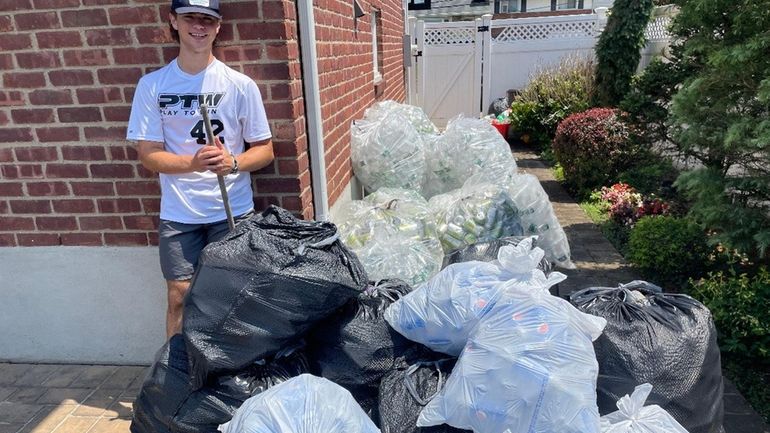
(208, 7)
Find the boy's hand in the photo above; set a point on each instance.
(214, 158)
(225, 165)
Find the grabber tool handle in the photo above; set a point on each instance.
(222, 187)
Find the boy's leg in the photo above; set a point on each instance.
(179, 247)
(177, 290)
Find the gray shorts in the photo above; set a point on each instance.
(181, 244)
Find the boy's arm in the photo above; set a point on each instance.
(258, 155)
(155, 158)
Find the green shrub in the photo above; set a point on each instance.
(553, 94)
(593, 148)
(526, 122)
(740, 304)
(558, 171)
(668, 250)
(646, 104)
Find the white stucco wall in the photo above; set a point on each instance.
(81, 305)
(87, 304)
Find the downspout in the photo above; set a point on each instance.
(312, 98)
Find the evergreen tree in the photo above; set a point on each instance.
(721, 117)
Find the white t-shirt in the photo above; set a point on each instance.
(165, 109)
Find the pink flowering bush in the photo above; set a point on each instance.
(626, 206)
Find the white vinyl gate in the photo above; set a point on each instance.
(460, 67)
(447, 69)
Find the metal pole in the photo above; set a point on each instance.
(222, 187)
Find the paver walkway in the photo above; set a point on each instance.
(40, 398)
(45, 398)
(598, 262)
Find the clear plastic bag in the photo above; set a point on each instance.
(442, 312)
(304, 404)
(390, 255)
(478, 212)
(387, 152)
(634, 417)
(467, 147)
(387, 209)
(528, 367)
(417, 117)
(538, 218)
(393, 234)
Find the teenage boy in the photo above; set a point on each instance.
(168, 129)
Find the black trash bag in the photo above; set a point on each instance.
(168, 403)
(487, 252)
(356, 347)
(262, 287)
(165, 388)
(367, 397)
(666, 340)
(214, 404)
(404, 393)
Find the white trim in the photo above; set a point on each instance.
(312, 96)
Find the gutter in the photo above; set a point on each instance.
(312, 98)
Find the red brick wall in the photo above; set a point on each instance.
(68, 71)
(346, 75)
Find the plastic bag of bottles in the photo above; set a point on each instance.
(395, 255)
(538, 218)
(534, 210)
(634, 417)
(478, 212)
(304, 404)
(528, 367)
(387, 209)
(467, 147)
(392, 232)
(417, 117)
(387, 152)
(441, 313)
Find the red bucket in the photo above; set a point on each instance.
(502, 128)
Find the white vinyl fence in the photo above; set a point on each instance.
(461, 67)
